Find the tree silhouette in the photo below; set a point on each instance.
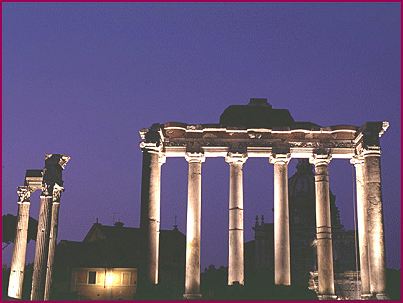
(10, 225)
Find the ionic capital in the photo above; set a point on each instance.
(195, 157)
(371, 151)
(236, 158)
(357, 160)
(320, 159)
(24, 194)
(280, 158)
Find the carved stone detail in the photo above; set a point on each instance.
(24, 194)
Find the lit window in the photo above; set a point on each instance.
(126, 279)
(92, 277)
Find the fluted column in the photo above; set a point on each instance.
(193, 226)
(236, 240)
(57, 190)
(376, 240)
(150, 210)
(41, 249)
(362, 218)
(323, 227)
(20, 244)
(282, 272)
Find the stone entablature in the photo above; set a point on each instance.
(174, 139)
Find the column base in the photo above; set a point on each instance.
(327, 297)
(382, 296)
(366, 296)
(192, 296)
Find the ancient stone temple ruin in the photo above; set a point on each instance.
(49, 181)
(258, 130)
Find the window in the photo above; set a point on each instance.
(126, 279)
(92, 277)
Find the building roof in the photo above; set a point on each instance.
(114, 246)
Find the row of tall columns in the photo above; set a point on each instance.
(20, 244)
(370, 221)
(46, 238)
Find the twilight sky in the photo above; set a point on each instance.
(82, 79)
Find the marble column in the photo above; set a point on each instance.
(323, 227)
(193, 226)
(236, 239)
(41, 249)
(150, 210)
(20, 244)
(362, 207)
(282, 271)
(57, 190)
(376, 240)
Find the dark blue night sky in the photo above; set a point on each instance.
(82, 79)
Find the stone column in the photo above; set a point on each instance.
(323, 227)
(57, 190)
(236, 240)
(282, 272)
(193, 226)
(376, 241)
(362, 219)
(150, 210)
(20, 244)
(41, 249)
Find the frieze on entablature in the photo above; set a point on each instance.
(317, 144)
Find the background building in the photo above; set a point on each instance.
(107, 264)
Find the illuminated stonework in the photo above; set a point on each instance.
(258, 130)
(49, 180)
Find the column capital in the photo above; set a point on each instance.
(195, 157)
(357, 160)
(280, 158)
(372, 151)
(24, 194)
(320, 159)
(236, 158)
(57, 192)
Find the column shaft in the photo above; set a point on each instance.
(19, 253)
(376, 245)
(362, 207)
(193, 226)
(324, 231)
(236, 246)
(150, 212)
(52, 247)
(282, 275)
(41, 249)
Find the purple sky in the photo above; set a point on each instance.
(83, 79)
